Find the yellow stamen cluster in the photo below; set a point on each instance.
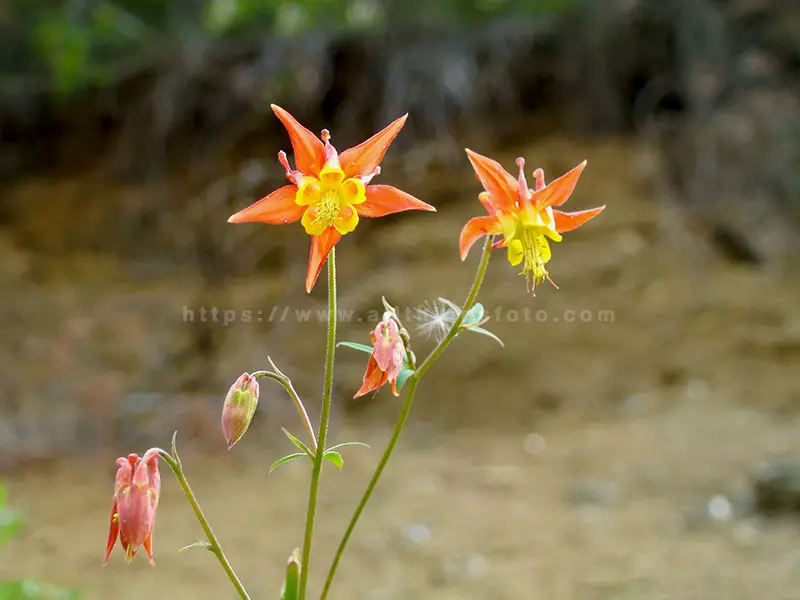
(533, 251)
(330, 200)
(526, 235)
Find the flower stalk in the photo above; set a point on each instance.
(327, 391)
(411, 391)
(174, 463)
(284, 380)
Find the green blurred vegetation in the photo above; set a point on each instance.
(66, 47)
(23, 589)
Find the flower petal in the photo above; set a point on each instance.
(475, 229)
(567, 221)
(347, 219)
(148, 548)
(486, 200)
(501, 185)
(385, 200)
(320, 248)
(278, 208)
(353, 191)
(309, 151)
(312, 224)
(309, 192)
(559, 190)
(373, 378)
(113, 532)
(515, 252)
(362, 160)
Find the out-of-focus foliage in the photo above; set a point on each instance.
(23, 589)
(10, 522)
(70, 46)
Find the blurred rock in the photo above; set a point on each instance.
(747, 532)
(721, 508)
(594, 492)
(466, 567)
(534, 443)
(776, 487)
(417, 533)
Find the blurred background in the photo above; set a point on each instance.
(637, 437)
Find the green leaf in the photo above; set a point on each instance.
(473, 315)
(402, 377)
(198, 544)
(343, 444)
(334, 457)
(286, 459)
(356, 346)
(291, 585)
(298, 443)
(483, 331)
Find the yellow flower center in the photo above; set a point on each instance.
(532, 250)
(328, 207)
(330, 200)
(526, 236)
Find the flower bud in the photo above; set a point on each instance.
(239, 408)
(291, 585)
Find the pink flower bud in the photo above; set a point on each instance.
(239, 408)
(133, 511)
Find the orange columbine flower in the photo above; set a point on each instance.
(525, 217)
(133, 511)
(386, 360)
(329, 191)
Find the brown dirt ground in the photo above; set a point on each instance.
(677, 400)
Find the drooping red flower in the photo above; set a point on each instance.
(329, 191)
(524, 216)
(386, 360)
(133, 511)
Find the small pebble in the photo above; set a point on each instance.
(534, 443)
(720, 508)
(596, 492)
(417, 533)
(472, 566)
(697, 390)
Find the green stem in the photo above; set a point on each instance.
(213, 544)
(298, 403)
(455, 329)
(406, 409)
(323, 425)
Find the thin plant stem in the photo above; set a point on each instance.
(330, 350)
(298, 403)
(213, 544)
(411, 391)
